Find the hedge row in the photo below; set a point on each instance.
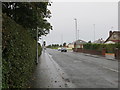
(110, 48)
(18, 54)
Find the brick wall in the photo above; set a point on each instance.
(117, 54)
(90, 51)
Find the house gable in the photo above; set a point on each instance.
(113, 36)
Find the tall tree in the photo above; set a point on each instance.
(64, 44)
(30, 15)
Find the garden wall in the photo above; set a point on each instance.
(89, 51)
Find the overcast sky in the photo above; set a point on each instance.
(103, 14)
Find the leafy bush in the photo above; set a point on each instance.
(91, 46)
(19, 54)
(110, 48)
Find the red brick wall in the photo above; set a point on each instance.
(90, 51)
(117, 54)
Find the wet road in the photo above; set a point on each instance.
(86, 71)
(48, 74)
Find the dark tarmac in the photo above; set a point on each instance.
(74, 70)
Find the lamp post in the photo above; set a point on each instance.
(37, 45)
(94, 31)
(37, 39)
(76, 27)
(78, 34)
(61, 39)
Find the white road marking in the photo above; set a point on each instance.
(111, 69)
(105, 67)
(50, 55)
(108, 68)
(77, 61)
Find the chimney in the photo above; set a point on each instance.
(110, 33)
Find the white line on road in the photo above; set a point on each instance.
(111, 69)
(50, 55)
(77, 61)
(105, 67)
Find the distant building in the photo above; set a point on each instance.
(71, 45)
(79, 43)
(114, 37)
(99, 41)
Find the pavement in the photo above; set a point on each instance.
(48, 74)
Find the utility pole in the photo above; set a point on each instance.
(37, 41)
(78, 34)
(37, 45)
(76, 27)
(61, 39)
(94, 31)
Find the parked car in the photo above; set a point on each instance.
(63, 50)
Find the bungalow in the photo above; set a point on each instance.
(71, 45)
(114, 37)
(79, 43)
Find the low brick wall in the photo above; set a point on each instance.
(90, 51)
(103, 52)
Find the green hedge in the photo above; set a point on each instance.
(18, 55)
(110, 48)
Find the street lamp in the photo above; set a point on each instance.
(78, 34)
(76, 27)
(61, 39)
(37, 45)
(94, 31)
(37, 39)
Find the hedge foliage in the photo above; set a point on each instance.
(110, 48)
(18, 54)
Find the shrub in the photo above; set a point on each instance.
(19, 54)
(110, 48)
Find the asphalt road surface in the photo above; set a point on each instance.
(87, 71)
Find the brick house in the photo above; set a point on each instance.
(114, 37)
(79, 44)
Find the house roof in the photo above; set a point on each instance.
(99, 41)
(80, 42)
(71, 43)
(114, 32)
(110, 42)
